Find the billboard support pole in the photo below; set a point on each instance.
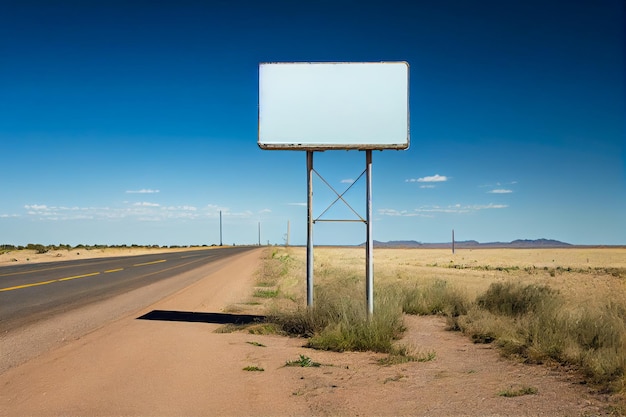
(309, 237)
(369, 245)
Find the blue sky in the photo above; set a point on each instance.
(136, 122)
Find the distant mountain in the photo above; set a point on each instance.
(538, 243)
(470, 244)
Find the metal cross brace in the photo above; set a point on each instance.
(339, 197)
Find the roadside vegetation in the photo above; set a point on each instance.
(570, 314)
(39, 248)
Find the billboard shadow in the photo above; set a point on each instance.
(195, 317)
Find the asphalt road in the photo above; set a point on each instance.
(29, 293)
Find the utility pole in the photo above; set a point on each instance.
(221, 228)
(259, 233)
(453, 241)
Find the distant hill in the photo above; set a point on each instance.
(470, 244)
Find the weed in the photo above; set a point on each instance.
(230, 328)
(265, 293)
(403, 354)
(253, 368)
(511, 392)
(303, 362)
(264, 329)
(256, 344)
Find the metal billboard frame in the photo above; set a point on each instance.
(333, 105)
(396, 73)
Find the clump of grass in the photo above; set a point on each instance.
(264, 329)
(230, 328)
(253, 368)
(436, 298)
(512, 392)
(404, 354)
(515, 298)
(266, 293)
(303, 362)
(338, 320)
(256, 344)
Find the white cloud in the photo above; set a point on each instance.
(347, 181)
(436, 209)
(489, 206)
(459, 209)
(138, 211)
(500, 191)
(143, 191)
(36, 207)
(432, 178)
(427, 186)
(297, 204)
(397, 213)
(498, 184)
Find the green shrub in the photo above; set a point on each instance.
(39, 248)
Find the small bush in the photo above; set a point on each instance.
(38, 248)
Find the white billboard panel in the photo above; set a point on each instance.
(334, 105)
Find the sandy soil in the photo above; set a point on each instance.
(158, 368)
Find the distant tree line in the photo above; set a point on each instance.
(39, 248)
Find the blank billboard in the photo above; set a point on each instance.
(333, 105)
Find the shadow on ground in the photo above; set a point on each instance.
(193, 317)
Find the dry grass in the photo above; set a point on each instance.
(564, 305)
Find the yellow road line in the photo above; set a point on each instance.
(35, 284)
(17, 287)
(79, 276)
(35, 269)
(150, 263)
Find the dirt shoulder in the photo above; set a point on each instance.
(150, 368)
